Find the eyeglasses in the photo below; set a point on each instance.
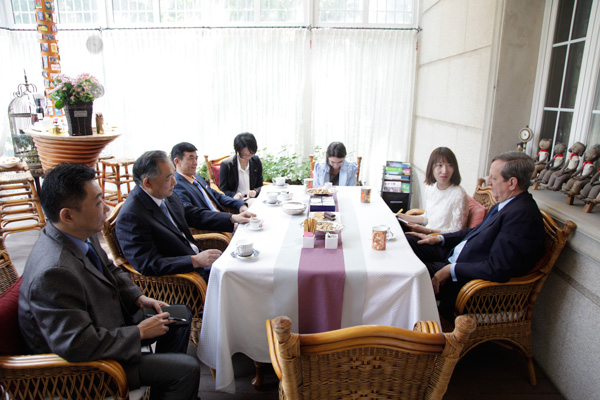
(245, 156)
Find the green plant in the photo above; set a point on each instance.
(83, 89)
(203, 170)
(284, 163)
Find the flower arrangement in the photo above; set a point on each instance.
(83, 89)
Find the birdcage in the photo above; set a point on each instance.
(22, 113)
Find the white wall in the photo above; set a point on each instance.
(453, 70)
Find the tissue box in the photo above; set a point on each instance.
(308, 241)
(331, 241)
(322, 203)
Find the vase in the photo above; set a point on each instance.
(79, 118)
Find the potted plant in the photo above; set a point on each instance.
(77, 95)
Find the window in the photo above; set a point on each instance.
(24, 11)
(570, 109)
(77, 11)
(367, 12)
(149, 13)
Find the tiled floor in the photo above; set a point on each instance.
(488, 372)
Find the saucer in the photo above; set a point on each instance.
(254, 229)
(281, 186)
(254, 254)
(278, 202)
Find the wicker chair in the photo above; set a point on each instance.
(44, 376)
(188, 288)
(503, 311)
(213, 166)
(312, 162)
(375, 362)
(483, 194)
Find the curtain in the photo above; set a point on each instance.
(291, 87)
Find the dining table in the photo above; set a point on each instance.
(318, 289)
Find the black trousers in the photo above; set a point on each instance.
(435, 257)
(170, 372)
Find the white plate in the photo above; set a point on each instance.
(9, 162)
(278, 202)
(338, 227)
(329, 191)
(254, 255)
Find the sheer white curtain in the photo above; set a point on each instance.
(291, 87)
(362, 91)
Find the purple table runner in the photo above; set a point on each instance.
(321, 279)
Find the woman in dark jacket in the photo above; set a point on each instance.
(241, 175)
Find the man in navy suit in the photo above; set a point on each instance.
(193, 190)
(507, 244)
(153, 225)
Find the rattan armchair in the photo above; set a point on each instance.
(47, 376)
(211, 169)
(483, 194)
(503, 311)
(375, 362)
(188, 289)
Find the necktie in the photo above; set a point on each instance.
(453, 257)
(93, 257)
(206, 197)
(163, 208)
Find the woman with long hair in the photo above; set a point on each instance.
(446, 202)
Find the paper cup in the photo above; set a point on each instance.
(379, 237)
(365, 194)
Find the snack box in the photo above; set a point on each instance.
(322, 204)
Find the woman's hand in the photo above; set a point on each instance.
(419, 228)
(238, 196)
(252, 193)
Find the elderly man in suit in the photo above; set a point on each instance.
(193, 190)
(508, 242)
(153, 224)
(76, 303)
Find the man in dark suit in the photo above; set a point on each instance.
(508, 242)
(76, 303)
(153, 224)
(193, 190)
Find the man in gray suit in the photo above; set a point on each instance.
(76, 303)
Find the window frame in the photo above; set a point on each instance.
(588, 77)
(311, 14)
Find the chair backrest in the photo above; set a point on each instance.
(110, 236)
(8, 272)
(380, 362)
(312, 162)
(555, 241)
(213, 168)
(483, 194)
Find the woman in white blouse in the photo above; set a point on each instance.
(446, 202)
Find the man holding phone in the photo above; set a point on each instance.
(76, 303)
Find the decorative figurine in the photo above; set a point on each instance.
(591, 193)
(559, 177)
(583, 175)
(542, 157)
(554, 165)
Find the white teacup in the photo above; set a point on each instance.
(285, 194)
(328, 185)
(272, 197)
(254, 223)
(280, 181)
(244, 247)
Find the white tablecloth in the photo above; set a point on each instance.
(395, 288)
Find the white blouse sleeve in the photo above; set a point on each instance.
(460, 213)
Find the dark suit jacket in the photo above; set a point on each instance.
(190, 195)
(228, 175)
(67, 307)
(150, 241)
(508, 246)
